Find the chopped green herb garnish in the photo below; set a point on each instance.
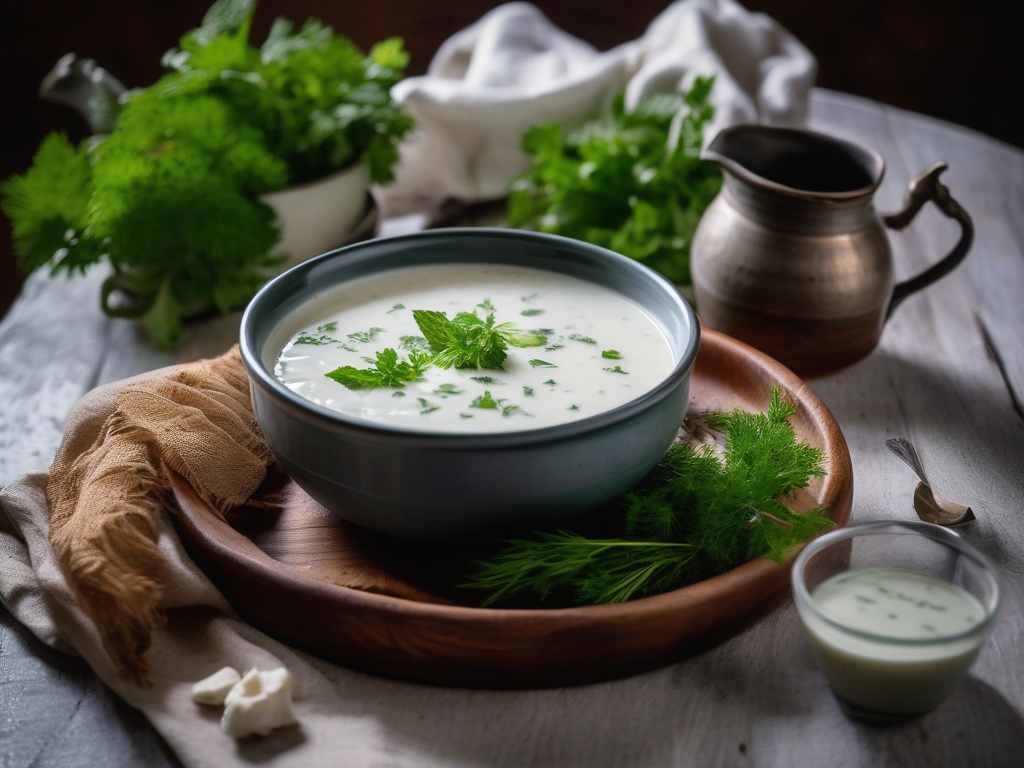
(611, 354)
(581, 337)
(487, 402)
(396, 308)
(528, 391)
(616, 369)
(446, 389)
(484, 401)
(414, 342)
(551, 383)
(319, 341)
(330, 327)
(365, 337)
(323, 339)
(425, 406)
(484, 380)
(531, 312)
(538, 363)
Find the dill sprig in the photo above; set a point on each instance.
(701, 511)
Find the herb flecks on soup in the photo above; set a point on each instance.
(472, 348)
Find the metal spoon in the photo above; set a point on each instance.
(929, 507)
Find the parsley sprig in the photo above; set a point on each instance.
(465, 341)
(388, 371)
(632, 181)
(170, 195)
(470, 341)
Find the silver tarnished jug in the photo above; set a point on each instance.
(791, 256)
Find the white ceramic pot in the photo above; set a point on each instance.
(321, 215)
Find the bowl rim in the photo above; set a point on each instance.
(953, 540)
(259, 374)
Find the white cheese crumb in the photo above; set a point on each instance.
(258, 703)
(214, 688)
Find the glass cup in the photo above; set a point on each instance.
(895, 613)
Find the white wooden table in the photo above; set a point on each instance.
(949, 375)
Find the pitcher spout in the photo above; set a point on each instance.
(796, 161)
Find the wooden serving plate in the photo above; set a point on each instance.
(389, 607)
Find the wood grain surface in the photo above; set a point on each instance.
(948, 374)
(390, 607)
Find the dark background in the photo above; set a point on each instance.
(950, 59)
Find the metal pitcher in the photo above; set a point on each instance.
(791, 256)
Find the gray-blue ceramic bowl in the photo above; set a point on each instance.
(439, 485)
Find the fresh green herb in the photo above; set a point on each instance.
(414, 342)
(553, 347)
(425, 406)
(365, 337)
(531, 312)
(388, 371)
(616, 369)
(484, 401)
(528, 391)
(318, 341)
(487, 402)
(471, 341)
(484, 380)
(582, 338)
(322, 339)
(170, 196)
(396, 308)
(697, 514)
(551, 383)
(611, 354)
(486, 305)
(447, 389)
(538, 363)
(631, 181)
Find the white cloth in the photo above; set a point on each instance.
(514, 69)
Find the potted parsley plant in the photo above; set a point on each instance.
(183, 188)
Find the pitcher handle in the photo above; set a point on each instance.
(922, 189)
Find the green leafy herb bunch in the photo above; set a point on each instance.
(702, 511)
(630, 181)
(171, 196)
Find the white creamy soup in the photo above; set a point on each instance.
(362, 348)
(896, 603)
(921, 639)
